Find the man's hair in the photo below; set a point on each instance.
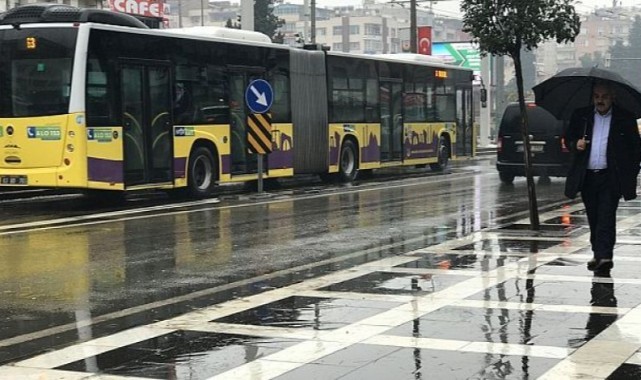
(605, 84)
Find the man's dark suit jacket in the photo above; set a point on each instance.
(623, 152)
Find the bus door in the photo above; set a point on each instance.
(146, 96)
(391, 121)
(242, 160)
(464, 121)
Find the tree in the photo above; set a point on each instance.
(625, 59)
(264, 19)
(592, 60)
(231, 24)
(507, 26)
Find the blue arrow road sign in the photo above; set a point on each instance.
(259, 96)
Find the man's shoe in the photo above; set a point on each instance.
(592, 264)
(603, 265)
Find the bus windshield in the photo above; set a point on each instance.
(35, 71)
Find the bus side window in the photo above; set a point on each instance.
(97, 101)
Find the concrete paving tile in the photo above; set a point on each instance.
(626, 372)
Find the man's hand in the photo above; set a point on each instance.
(581, 144)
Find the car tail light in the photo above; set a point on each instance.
(499, 144)
(564, 148)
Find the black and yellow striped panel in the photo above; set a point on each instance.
(259, 133)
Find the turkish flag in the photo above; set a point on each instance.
(425, 40)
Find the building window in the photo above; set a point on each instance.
(372, 29)
(321, 31)
(354, 46)
(338, 30)
(354, 29)
(337, 46)
(373, 46)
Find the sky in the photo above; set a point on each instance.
(452, 7)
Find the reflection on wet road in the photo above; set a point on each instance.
(389, 270)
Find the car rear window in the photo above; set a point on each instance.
(539, 120)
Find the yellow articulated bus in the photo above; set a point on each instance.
(94, 100)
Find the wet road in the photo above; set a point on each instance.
(71, 271)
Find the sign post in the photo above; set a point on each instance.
(259, 97)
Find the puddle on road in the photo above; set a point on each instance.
(621, 212)
(309, 313)
(362, 361)
(181, 355)
(453, 262)
(563, 293)
(568, 220)
(545, 230)
(533, 327)
(397, 283)
(509, 245)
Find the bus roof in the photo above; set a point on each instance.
(220, 32)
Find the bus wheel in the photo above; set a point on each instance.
(348, 165)
(443, 155)
(201, 173)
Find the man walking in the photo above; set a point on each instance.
(607, 151)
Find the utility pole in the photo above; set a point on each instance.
(247, 14)
(413, 21)
(312, 16)
(413, 28)
(202, 13)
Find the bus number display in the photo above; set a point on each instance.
(31, 43)
(441, 74)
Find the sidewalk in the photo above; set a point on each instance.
(480, 307)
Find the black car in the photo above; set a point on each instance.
(550, 156)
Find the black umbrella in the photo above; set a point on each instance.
(572, 88)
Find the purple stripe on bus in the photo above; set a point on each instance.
(371, 152)
(279, 159)
(180, 167)
(415, 147)
(225, 161)
(282, 155)
(101, 170)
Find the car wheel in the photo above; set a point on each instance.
(506, 177)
